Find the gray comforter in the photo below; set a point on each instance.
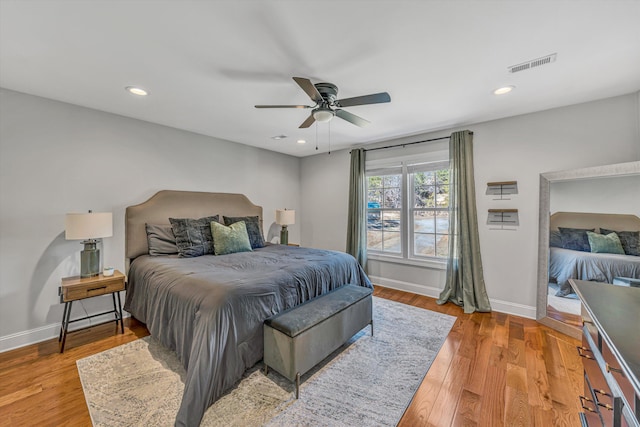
(565, 264)
(210, 309)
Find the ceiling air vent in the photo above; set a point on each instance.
(533, 63)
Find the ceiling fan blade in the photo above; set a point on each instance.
(283, 106)
(376, 98)
(310, 120)
(309, 88)
(352, 118)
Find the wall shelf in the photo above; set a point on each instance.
(503, 218)
(500, 189)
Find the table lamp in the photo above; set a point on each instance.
(89, 227)
(285, 217)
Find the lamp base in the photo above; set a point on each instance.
(90, 259)
(284, 235)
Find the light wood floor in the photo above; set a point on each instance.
(493, 370)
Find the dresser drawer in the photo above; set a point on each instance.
(87, 290)
(613, 367)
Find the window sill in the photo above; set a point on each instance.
(434, 264)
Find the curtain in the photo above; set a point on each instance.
(465, 280)
(357, 221)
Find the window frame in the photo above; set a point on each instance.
(406, 169)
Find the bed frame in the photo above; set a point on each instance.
(167, 204)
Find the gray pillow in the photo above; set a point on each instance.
(574, 238)
(193, 236)
(253, 228)
(555, 239)
(161, 240)
(630, 240)
(231, 239)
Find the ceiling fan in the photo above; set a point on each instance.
(326, 105)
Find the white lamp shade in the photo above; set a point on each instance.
(93, 225)
(285, 217)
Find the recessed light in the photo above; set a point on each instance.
(503, 90)
(302, 141)
(279, 137)
(137, 90)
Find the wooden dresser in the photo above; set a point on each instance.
(610, 353)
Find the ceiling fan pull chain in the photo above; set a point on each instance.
(329, 137)
(316, 136)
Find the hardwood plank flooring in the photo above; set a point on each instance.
(494, 369)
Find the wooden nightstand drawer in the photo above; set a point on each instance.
(75, 288)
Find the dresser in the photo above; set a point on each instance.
(610, 354)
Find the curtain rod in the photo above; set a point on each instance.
(407, 143)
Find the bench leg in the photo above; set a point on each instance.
(371, 327)
(266, 369)
(298, 385)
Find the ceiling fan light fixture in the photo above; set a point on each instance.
(323, 115)
(302, 141)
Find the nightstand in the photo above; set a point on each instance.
(77, 288)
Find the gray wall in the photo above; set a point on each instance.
(517, 148)
(57, 158)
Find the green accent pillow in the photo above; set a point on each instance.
(231, 239)
(605, 244)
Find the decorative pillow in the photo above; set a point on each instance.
(231, 239)
(555, 240)
(630, 240)
(605, 244)
(193, 236)
(573, 238)
(253, 228)
(161, 240)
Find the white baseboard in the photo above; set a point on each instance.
(44, 333)
(429, 291)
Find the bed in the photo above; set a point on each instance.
(210, 309)
(568, 263)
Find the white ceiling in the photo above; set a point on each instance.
(206, 63)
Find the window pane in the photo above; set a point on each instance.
(442, 196)
(442, 222)
(424, 196)
(424, 244)
(374, 239)
(374, 182)
(391, 241)
(442, 176)
(392, 180)
(392, 198)
(442, 246)
(375, 198)
(391, 220)
(373, 220)
(424, 222)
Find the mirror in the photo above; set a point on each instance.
(612, 189)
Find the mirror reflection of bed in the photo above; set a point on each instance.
(609, 190)
(574, 254)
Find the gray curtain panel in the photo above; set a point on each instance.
(357, 221)
(465, 280)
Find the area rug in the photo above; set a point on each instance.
(368, 382)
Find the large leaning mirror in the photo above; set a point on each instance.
(602, 199)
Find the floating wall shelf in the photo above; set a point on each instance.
(501, 189)
(503, 218)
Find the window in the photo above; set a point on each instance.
(408, 210)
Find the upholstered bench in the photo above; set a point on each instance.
(299, 338)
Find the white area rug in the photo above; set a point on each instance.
(368, 382)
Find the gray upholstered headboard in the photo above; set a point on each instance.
(179, 204)
(619, 222)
